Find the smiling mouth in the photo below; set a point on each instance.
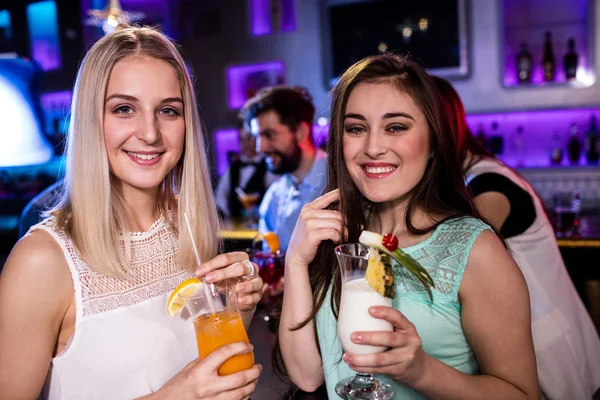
(145, 157)
(379, 170)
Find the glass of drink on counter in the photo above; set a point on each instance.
(250, 203)
(218, 322)
(357, 297)
(271, 267)
(567, 212)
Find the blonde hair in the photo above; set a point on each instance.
(90, 210)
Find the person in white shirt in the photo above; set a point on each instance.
(567, 347)
(248, 172)
(84, 294)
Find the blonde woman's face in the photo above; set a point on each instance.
(144, 126)
(386, 141)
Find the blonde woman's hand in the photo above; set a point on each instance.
(200, 379)
(315, 225)
(235, 265)
(404, 362)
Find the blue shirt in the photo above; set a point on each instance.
(283, 201)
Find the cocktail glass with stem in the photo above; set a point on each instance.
(357, 297)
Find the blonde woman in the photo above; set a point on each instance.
(82, 299)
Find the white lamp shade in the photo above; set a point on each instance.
(21, 141)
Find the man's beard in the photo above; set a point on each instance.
(287, 164)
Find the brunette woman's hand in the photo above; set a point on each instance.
(315, 225)
(404, 362)
(200, 379)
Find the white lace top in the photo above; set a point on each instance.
(125, 345)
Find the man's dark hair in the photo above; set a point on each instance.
(293, 105)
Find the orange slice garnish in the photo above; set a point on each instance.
(185, 288)
(272, 241)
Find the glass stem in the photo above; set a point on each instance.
(363, 380)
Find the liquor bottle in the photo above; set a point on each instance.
(571, 60)
(556, 155)
(480, 137)
(592, 142)
(574, 145)
(548, 59)
(519, 143)
(524, 64)
(496, 141)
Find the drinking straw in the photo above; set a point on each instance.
(208, 297)
(238, 190)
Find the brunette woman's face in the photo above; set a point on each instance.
(386, 143)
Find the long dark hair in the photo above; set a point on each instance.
(465, 140)
(467, 144)
(441, 191)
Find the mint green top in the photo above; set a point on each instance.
(444, 255)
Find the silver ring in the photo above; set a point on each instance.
(253, 269)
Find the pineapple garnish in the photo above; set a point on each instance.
(388, 244)
(379, 274)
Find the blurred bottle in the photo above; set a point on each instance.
(519, 143)
(548, 59)
(556, 154)
(496, 141)
(574, 144)
(571, 60)
(592, 142)
(481, 139)
(524, 64)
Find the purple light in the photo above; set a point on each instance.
(243, 81)
(320, 134)
(288, 16)
(539, 128)
(226, 140)
(261, 24)
(265, 21)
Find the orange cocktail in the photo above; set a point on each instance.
(216, 330)
(249, 200)
(217, 322)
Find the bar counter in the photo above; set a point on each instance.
(238, 231)
(588, 236)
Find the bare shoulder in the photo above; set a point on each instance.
(491, 267)
(36, 290)
(37, 257)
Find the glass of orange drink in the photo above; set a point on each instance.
(218, 322)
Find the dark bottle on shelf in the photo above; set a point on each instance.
(524, 64)
(592, 142)
(481, 139)
(548, 59)
(571, 60)
(556, 155)
(496, 141)
(574, 145)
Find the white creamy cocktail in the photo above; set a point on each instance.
(357, 298)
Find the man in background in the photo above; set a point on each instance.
(247, 172)
(281, 119)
